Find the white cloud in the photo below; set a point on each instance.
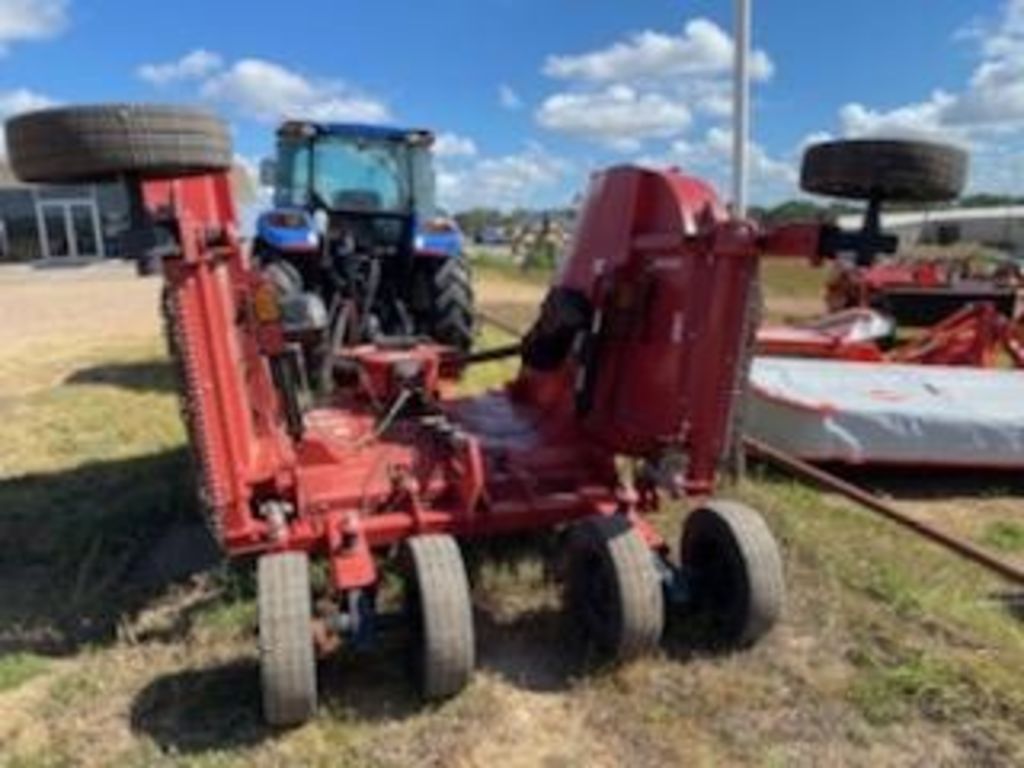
(192, 66)
(763, 167)
(22, 100)
(649, 85)
(716, 102)
(703, 48)
(816, 137)
(619, 116)
(508, 98)
(985, 115)
(992, 100)
(18, 101)
(31, 20)
(771, 178)
(267, 91)
(454, 145)
(507, 181)
(925, 119)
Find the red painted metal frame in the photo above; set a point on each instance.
(862, 286)
(827, 337)
(977, 335)
(667, 274)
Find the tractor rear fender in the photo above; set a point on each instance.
(438, 238)
(290, 230)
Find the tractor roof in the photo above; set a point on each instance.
(355, 130)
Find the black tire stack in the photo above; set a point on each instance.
(887, 169)
(101, 142)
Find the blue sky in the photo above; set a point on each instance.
(530, 95)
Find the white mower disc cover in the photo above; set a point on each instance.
(881, 413)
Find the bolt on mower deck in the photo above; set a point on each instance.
(640, 352)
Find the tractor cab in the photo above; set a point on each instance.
(355, 224)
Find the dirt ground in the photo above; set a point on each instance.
(74, 303)
(124, 642)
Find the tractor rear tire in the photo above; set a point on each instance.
(613, 594)
(900, 171)
(451, 304)
(440, 612)
(735, 570)
(102, 142)
(287, 659)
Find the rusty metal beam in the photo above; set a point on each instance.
(870, 501)
(500, 324)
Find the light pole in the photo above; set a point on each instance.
(741, 106)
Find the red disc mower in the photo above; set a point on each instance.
(637, 360)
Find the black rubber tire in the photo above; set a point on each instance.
(104, 141)
(452, 304)
(735, 569)
(900, 171)
(440, 612)
(612, 593)
(287, 660)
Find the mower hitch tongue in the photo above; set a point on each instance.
(640, 353)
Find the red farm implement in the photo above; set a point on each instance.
(977, 335)
(639, 354)
(922, 293)
(913, 292)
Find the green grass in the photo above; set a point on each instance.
(486, 263)
(18, 668)
(1004, 535)
(918, 616)
(890, 692)
(493, 375)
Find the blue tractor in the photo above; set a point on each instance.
(355, 227)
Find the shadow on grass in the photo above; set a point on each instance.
(83, 549)
(199, 710)
(195, 711)
(534, 651)
(1011, 601)
(143, 376)
(915, 485)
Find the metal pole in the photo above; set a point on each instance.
(1010, 571)
(741, 106)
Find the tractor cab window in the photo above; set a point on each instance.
(423, 182)
(292, 185)
(354, 175)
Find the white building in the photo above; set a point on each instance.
(999, 227)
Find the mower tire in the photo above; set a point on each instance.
(900, 171)
(102, 142)
(735, 569)
(612, 592)
(440, 612)
(287, 659)
(451, 307)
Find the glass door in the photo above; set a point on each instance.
(56, 242)
(69, 229)
(86, 240)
